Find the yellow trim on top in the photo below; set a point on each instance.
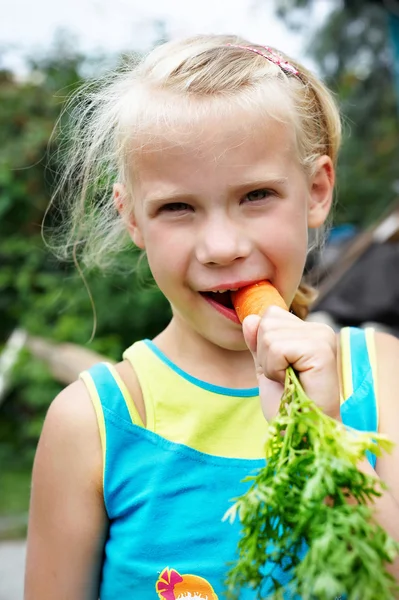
(370, 342)
(183, 412)
(133, 412)
(91, 387)
(346, 364)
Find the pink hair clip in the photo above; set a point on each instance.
(271, 56)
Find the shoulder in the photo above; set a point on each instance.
(71, 400)
(387, 359)
(70, 429)
(67, 518)
(387, 348)
(72, 408)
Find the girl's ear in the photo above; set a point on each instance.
(321, 192)
(121, 203)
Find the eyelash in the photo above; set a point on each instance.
(175, 207)
(183, 206)
(267, 193)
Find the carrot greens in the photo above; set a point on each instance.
(309, 511)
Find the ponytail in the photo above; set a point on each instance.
(304, 298)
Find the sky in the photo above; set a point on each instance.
(28, 26)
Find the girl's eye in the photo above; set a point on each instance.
(175, 207)
(258, 195)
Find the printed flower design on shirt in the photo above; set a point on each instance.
(173, 586)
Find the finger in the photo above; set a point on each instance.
(250, 327)
(275, 316)
(270, 393)
(275, 352)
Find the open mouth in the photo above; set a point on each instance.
(223, 298)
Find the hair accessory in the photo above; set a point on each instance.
(271, 56)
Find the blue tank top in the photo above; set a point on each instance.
(166, 497)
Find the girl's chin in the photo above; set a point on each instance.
(216, 324)
(227, 339)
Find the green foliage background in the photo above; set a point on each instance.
(47, 298)
(354, 55)
(37, 293)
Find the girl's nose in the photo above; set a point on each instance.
(221, 242)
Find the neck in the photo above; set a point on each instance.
(206, 361)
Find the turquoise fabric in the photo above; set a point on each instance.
(166, 501)
(360, 409)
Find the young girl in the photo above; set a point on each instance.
(221, 154)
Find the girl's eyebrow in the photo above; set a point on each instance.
(245, 185)
(172, 197)
(263, 182)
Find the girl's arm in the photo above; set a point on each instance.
(67, 521)
(387, 350)
(386, 507)
(387, 467)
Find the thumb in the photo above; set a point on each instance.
(250, 326)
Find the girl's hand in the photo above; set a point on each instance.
(280, 339)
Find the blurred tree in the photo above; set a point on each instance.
(38, 293)
(353, 53)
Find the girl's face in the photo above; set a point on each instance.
(220, 205)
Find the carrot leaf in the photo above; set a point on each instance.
(307, 524)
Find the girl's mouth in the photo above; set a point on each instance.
(221, 301)
(223, 298)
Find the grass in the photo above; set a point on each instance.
(14, 501)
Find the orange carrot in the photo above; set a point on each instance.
(255, 299)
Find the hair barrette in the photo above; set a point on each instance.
(270, 56)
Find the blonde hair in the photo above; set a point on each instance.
(110, 118)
